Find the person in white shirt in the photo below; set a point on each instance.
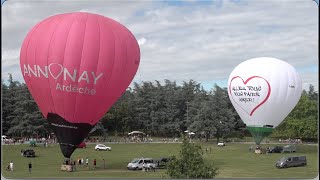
(11, 166)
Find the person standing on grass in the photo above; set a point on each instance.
(74, 165)
(94, 163)
(87, 161)
(11, 166)
(30, 167)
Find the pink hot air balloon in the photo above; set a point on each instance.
(76, 66)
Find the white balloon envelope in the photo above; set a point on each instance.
(264, 91)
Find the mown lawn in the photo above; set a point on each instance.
(233, 161)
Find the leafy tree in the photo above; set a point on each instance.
(312, 94)
(224, 117)
(190, 164)
(302, 122)
(7, 107)
(215, 117)
(26, 119)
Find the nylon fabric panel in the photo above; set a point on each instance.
(89, 61)
(37, 51)
(105, 65)
(42, 49)
(24, 60)
(71, 62)
(56, 59)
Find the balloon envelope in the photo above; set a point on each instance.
(76, 65)
(264, 91)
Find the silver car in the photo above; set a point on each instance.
(140, 163)
(289, 148)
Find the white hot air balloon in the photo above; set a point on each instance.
(264, 91)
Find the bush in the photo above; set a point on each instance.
(191, 164)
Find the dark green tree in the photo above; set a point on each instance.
(215, 117)
(312, 94)
(7, 107)
(190, 164)
(223, 115)
(302, 122)
(26, 119)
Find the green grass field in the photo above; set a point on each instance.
(233, 161)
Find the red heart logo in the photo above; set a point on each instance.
(246, 93)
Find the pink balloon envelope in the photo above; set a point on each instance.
(76, 65)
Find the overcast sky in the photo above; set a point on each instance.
(183, 40)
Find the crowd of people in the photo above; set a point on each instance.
(295, 141)
(28, 139)
(81, 162)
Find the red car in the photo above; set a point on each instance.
(82, 145)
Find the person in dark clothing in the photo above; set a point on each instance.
(30, 167)
(94, 163)
(74, 166)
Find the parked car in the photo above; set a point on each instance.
(289, 148)
(29, 153)
(276, 149)
(82, 145)
(4, 138)
(140, 163)
(103, 147)
(221, 143)
(291, 161)
(162, 163)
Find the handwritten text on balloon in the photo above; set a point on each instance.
(249, 94)
(246, 93)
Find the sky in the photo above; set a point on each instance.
(183, 40)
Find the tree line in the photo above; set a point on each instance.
(164, 110)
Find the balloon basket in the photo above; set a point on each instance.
(67, 168)
(257, 151)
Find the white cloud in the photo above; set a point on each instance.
(142, 41)
(179, 43)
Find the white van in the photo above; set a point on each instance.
(291, 161)
(140, 163)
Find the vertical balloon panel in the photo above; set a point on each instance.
(76, 65)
